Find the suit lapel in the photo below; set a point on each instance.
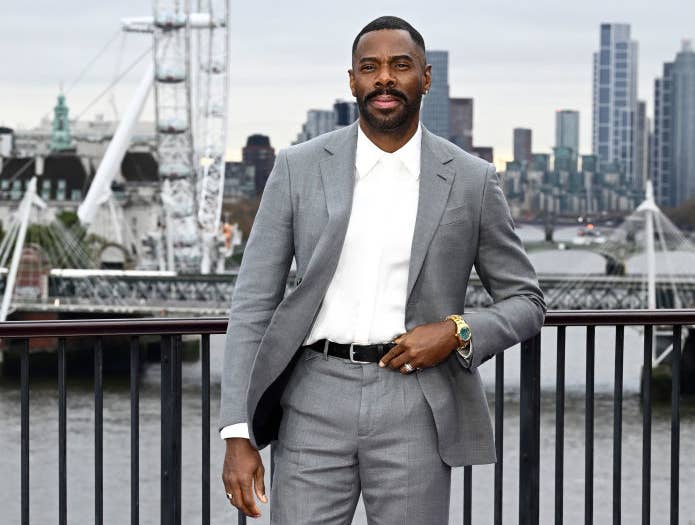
(436, 177)
(338, 175)
(338, 180)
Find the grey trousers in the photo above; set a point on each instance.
(348, 428)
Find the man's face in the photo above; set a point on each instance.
(388, 78)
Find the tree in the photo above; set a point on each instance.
(243, 212)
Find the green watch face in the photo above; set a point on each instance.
(465, 333)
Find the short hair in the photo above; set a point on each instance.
(390, 22)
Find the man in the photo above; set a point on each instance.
(366, 373)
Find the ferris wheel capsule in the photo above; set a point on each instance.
(169, 19)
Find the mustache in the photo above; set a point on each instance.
(389, 91)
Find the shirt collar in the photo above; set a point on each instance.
(368, 154)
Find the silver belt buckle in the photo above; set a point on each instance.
(352, 356)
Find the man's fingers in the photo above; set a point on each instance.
(399, 338)
(238, 499)
(259, 484)
(400, 360)
(230, 488)
(391, 354)
(248, 501)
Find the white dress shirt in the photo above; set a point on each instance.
(365, 300)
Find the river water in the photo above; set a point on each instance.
(80, 445)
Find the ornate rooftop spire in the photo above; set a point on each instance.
(60, 139)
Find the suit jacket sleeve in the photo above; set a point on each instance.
(259, 288)
(507, 274)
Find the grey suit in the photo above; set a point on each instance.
(462, 220)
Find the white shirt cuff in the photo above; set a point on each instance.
(237, 430)
(467, 362)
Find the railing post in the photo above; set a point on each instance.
(24, 381)
(530, 427)
(171, 430)
(134, 430)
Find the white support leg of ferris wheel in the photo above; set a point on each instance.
(23, 213)
(111, 163)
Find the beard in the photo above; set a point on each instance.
(396, 119)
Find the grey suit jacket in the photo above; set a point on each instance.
(462, 221)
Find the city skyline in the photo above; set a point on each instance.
(505, 63)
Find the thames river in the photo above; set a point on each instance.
(80, 451)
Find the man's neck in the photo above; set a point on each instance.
(392, 140)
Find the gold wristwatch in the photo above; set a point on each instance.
(463, 334)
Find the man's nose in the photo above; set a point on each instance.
(385, 77)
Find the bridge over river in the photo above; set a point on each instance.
(135, 293)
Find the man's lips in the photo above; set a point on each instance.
(385, 101)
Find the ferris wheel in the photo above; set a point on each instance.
(190, 88)
(190, 79)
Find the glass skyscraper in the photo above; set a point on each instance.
(673, 165)
(435, 105)
(615, 102)
(567, 130)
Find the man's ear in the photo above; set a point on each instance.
(351, 75)
(428, 77)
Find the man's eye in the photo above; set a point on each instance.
(402, 65)
(367, 68)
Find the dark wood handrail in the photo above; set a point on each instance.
(96, 327)
(218, 325)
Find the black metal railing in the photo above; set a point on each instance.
(172, 330)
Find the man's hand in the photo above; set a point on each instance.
(242, 473)
(423, 346)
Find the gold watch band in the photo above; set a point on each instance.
(463, 334)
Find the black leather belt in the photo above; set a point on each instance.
(353, 352)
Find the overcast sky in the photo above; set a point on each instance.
(520, 61)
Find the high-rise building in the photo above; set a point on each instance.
(540, 162)
(320, 121)
(345, 113)
(661, 174)
(484, 152)
(239, 180)
(673, 164)
(522, 145)
(641, 145)
(564, 159)
(461, 122)
(567, 130)
(435, 106)
(260, 154)
(615, 101)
